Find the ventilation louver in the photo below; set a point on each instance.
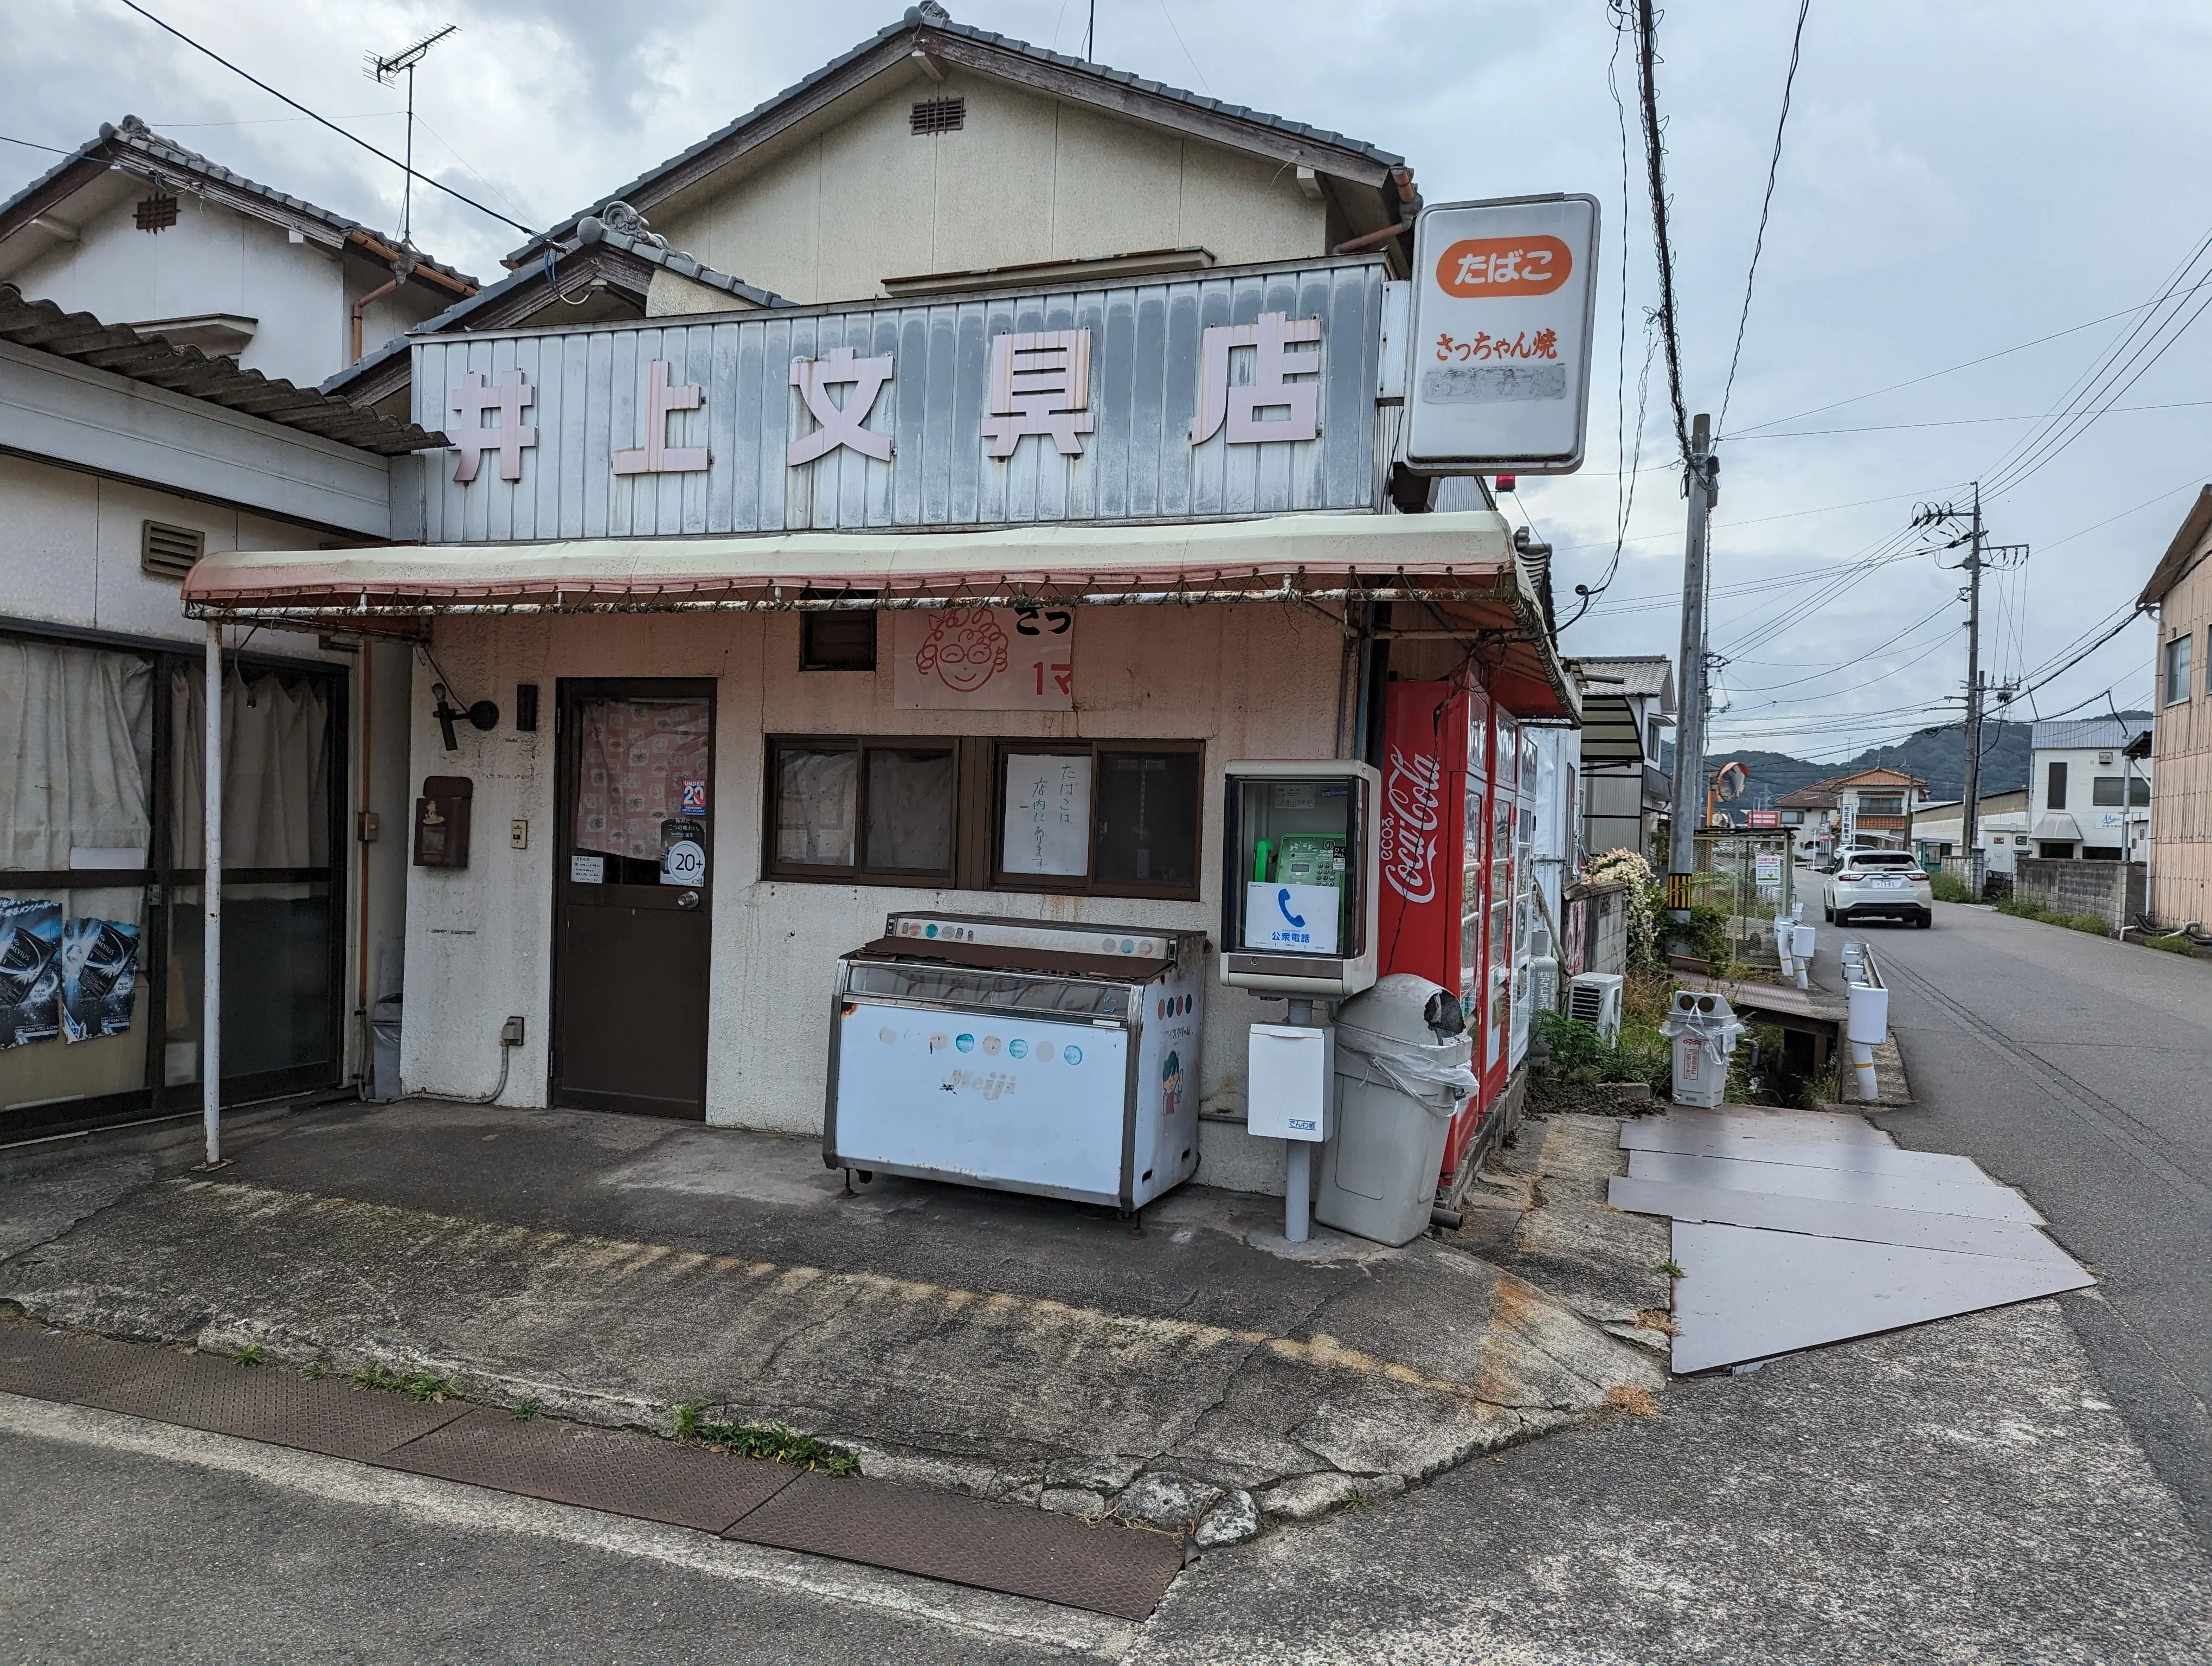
(940, 115)
(168, 552)
(156, 213)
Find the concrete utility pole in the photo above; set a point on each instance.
(1704, 486)
(1970, 810)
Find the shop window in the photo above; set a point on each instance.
(2105, 791)
(846, 809)
(840, 641)
(2054, 792)
(1102, 819)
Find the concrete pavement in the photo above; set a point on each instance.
(2079, 1069)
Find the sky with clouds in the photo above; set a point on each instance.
(1957, 182)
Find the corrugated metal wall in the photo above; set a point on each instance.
(1137, 463)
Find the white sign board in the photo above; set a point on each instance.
(1291, 919)
(1047, 828)
(1504, 299)
(984, 659)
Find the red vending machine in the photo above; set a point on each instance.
(1448, 870)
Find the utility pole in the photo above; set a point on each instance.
(1970, 810)
(1702, 487)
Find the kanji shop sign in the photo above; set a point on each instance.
(1503, 302)
(1198, 396)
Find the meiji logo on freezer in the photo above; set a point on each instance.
(1413, 800)
(991, 1086)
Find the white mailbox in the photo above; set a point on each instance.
(1292, 1082)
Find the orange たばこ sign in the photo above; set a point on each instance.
(1483, 266)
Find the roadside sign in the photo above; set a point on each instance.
(1504, 300)
(1766, 818)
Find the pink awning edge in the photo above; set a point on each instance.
(1469, 551)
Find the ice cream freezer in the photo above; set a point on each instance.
(1030, 1056)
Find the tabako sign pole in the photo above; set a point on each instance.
(1504, 300)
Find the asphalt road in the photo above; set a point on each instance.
(2080, 1070)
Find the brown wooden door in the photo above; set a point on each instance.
(633, 889)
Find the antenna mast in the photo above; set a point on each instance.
(384, 71)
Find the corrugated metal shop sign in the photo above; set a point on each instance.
(601, 444)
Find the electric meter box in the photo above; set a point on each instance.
(1301, 862)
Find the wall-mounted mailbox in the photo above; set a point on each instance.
(441, 822)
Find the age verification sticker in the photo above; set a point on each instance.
(684, 863)
(693, 798)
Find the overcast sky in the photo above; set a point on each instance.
(1957, 180)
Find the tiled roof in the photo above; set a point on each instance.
(933, 19)
(132, 144)
(645, 247)
(1642, 675)
(122, 351)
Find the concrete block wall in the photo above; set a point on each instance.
(2113, 891)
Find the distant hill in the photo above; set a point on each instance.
(1936, 756)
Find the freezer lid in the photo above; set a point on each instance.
(992, 957)
(1119, 943)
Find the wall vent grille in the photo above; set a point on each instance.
(946, 115)
(168, 552)
(156, 213)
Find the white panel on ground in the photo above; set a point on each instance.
(1889, 1191)
(1749, 1294)
(1966, 1234)
(1800, 1127)
(1755, 1147)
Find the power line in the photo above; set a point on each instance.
(2002, 352)
(33, 144)
(1766, 202)
(1655, 157)
(1965, 422)
(354, 138)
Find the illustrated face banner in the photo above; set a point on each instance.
(30, 970)
(985, 659)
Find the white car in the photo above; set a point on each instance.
(1870, 885)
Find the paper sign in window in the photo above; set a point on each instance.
(1047, 826)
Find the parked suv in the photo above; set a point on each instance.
(1870, 885)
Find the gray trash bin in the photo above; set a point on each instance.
(1402, 1055)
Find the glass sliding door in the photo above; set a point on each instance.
(101, 870)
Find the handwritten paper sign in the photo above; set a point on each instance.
(1048, 829)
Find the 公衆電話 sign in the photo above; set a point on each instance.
(1504, 304)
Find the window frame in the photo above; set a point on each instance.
(859, 872)
(2181, 647)
(1089, 885)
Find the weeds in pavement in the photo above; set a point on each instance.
(1950, 888)
(757, 1440)
(314, 1370)
(525, 1412)
(416, 1385)
(1671, 1268)
(2176, 943)
(1635, 1400)
(1658, 1319)
(1577, 1056)
(248, 1355)
(1356, 1501)
(2022, 908)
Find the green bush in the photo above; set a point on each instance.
(2022, 908)
(1579, 1055)
(1950, 888)
(2179, 943)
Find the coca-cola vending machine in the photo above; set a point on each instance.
(1450, 871)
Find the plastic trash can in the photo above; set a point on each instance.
(1403, 1053)
(1704, 1029)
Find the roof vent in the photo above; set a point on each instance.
(940, 115)
(168, 552)
(157, 213)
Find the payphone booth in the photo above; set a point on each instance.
(1300, 866)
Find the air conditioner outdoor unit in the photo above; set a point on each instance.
(1594, 998)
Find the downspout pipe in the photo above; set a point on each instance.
(212, 905)
(402, 268)
(1409, 204)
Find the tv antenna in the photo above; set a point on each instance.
(384, 71)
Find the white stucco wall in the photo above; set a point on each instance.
(216, 260)
(1028, 177)
(1256, 681)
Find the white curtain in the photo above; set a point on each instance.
(275, 771)
(76, 753)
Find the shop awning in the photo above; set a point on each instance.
(1460, 569)
(2059, 828)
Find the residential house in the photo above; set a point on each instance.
(865, 618)
(2092, 802)
(2001, 823)
(1628, 704)
(124, 460)
(2179, 597)
(1808, 813)
(137, 230)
